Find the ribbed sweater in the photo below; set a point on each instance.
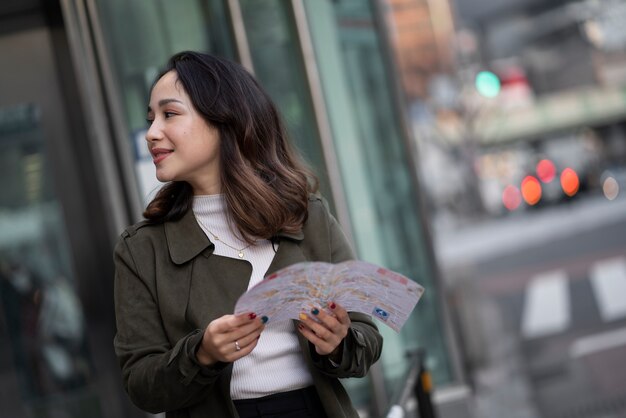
(276, 364)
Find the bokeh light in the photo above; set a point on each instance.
(511, 197)
(610, 188)
(531, 190)
(546, 171)
(569, 182)
(487, 84)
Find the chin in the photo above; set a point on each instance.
(164, 178)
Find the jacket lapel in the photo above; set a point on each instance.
(289, 252)
(216, 282)
(186, 240)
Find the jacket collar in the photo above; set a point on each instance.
(186, 240)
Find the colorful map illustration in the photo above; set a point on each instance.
(358, 286)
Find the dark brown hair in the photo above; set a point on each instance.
(264, 181)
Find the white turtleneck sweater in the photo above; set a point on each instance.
(276, 363)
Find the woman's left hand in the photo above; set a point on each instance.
(327, 331)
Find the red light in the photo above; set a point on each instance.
(569, 182)
(531, 190)
(546, 171)
(511, 197)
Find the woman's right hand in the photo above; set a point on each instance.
(230, 338)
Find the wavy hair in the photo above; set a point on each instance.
(264, 180)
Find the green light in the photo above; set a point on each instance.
(487, 84)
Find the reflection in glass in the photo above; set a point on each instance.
(41, 319)
(376, 171)
(278, 65)
(141, 35)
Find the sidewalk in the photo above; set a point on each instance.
(494, 237)
(500, 385)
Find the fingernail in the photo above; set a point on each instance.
(332, 305)
(264, 319)
(252, 315)
(300, 327)
(303, 316)
(315, 311)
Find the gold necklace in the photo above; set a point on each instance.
(216, 238)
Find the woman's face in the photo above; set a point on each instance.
(184, 147)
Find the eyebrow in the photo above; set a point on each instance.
(164, 102)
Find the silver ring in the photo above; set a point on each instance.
(237, 346)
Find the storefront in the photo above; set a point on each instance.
(72, 124)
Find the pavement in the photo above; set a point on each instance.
(501, 388)
(457, 244)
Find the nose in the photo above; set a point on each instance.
(154, 132)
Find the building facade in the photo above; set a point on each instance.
(74, 84)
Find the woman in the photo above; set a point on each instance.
(238, 204)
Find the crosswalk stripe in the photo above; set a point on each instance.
(546, 305)
(592, 344)
(608, 281)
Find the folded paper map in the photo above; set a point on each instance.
(358, 286)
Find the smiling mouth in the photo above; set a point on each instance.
(159, 155)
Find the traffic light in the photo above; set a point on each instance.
(531, 190)
(487, 84)
(569, 182)
(546, 170)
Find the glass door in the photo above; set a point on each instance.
(55, 326)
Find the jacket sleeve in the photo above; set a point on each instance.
(157, 376)
(363, 344)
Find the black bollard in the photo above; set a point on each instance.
(423, 390)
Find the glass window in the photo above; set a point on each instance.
(278, 66)
(42, 326)
(376, 172)
(141, 35)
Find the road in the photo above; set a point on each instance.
(549, 311)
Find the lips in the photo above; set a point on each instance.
(159, 154)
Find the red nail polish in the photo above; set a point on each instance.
(332, 305)
(252, 315)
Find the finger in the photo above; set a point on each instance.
(322, 346)
(227, 323)
(230, 349)
(246, 341)
(329, 320)
(235, 354)
(245, 338)
(219, 335)
(253, 326)
(249, 339)
(340, 313)
(318, 328)
(332, 322)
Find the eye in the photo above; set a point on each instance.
(149, 121)
(168, 114)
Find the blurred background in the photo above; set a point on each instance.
(476, 146)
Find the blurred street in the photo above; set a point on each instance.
(541, 308)
(497, 125)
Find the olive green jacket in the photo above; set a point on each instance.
(168, 287)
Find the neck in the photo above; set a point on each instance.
(209, 187)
